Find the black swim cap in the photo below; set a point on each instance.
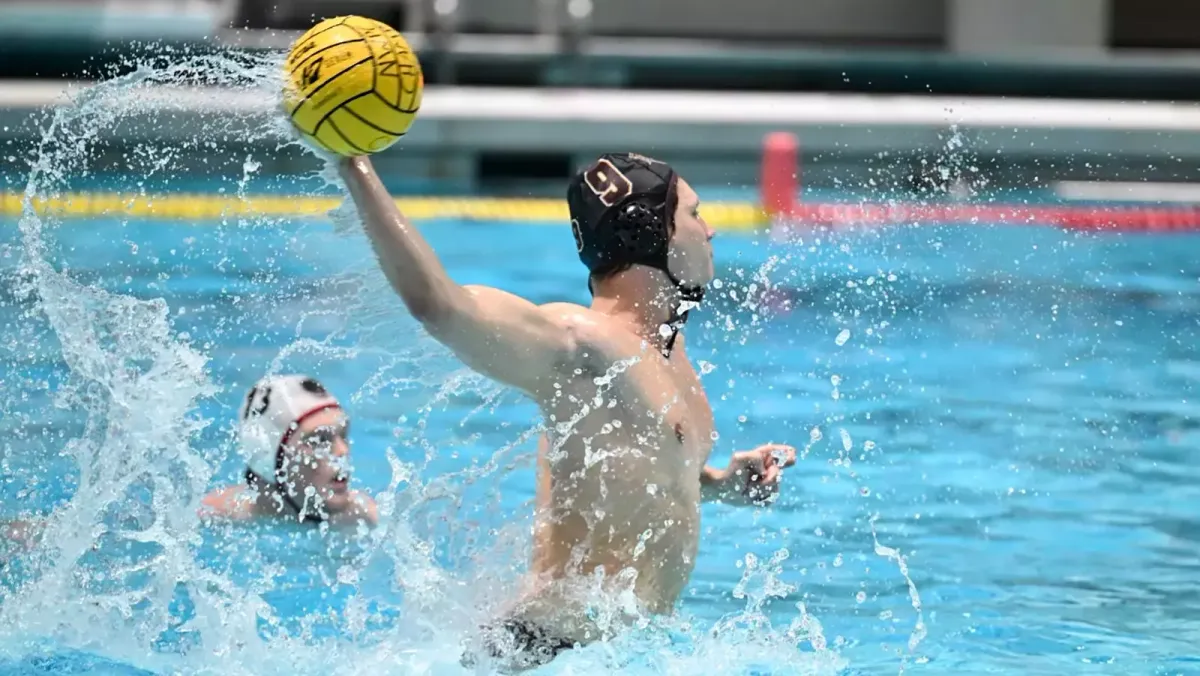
(622, 211)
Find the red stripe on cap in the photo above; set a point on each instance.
(295, 426)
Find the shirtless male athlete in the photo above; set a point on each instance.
(622, 467)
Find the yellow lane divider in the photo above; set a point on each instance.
(180, 206)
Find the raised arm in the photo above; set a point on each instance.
(502, 336)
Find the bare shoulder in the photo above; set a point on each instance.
(595, 332)
(493, 297)
(572, 315)
(518, 342)
(233, 502)
(571, 320)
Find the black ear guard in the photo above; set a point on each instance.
(636, 233)
(640, 230)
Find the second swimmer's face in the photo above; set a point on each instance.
(318, 462)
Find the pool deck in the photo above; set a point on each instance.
(715, 137)
(565, 119)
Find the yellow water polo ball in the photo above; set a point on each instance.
(352, 85)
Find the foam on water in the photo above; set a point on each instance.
(115, 557)
(123, 570)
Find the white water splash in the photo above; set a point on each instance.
(136, 384)
(919, 630)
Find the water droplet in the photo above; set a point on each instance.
(347, 575)
(842, 337)
(860, 596)
(846, 443)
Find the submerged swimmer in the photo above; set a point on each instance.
(620, 486)
(294, 433)
(295, 436)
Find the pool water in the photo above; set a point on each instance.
(1011, 410)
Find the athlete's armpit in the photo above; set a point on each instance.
(508, 338)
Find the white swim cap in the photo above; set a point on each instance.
(273, 409)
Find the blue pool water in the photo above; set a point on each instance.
(1011, 410)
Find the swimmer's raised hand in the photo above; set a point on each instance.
(752, 476)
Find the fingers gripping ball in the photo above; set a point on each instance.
(352, 85)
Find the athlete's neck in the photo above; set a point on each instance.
(645, 297)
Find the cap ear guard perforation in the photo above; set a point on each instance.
(641, 232)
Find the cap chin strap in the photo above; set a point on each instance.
(690, 298)
(305, 517)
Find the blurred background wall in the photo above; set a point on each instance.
(1028, 50)
(958, 25)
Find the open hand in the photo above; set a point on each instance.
(756, 473)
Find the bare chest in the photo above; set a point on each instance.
(652, 403)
